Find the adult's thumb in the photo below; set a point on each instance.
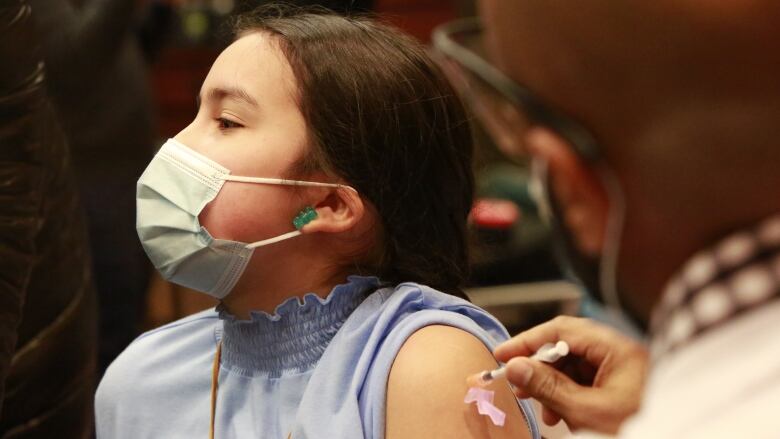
(534, 379)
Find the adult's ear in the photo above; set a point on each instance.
(338, 210)
(576, 187)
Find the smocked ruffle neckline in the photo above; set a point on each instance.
(294, 337)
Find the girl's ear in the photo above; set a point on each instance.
(338, 211)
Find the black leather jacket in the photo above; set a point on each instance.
(47, 314)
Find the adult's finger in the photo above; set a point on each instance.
(599, 398)
(580, 407)
(550, 417)
(585, 338)
(546, 384)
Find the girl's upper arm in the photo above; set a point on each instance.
(427, 384)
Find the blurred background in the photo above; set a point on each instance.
(122, 77)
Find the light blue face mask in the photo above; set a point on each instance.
(171, 193)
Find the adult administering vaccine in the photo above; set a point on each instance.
(654, 128)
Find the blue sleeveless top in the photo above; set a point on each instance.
(316, 368)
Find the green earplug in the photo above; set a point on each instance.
(306, 216)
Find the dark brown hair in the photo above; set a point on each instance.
(382, 116)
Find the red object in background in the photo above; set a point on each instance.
(416, 17)
(493, 213)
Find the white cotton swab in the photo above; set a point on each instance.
(548, 353)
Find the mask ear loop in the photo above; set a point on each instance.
(303, 218)
(537, 190)
(307, 215)
(274, 240)
(610, 254)
(285, 182)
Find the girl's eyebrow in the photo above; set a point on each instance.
(220, 93)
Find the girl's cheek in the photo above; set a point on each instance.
(248, 212)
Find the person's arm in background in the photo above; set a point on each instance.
(596, 387)
(21, 169)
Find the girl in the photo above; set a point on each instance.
(338, 325)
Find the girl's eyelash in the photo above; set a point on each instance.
(225, 124)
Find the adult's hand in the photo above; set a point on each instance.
(596, 387)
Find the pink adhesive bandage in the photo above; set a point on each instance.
(484, 400)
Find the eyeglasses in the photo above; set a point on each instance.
(505, 108)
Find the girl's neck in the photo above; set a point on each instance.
(265, 285)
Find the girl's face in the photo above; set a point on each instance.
(249, 121)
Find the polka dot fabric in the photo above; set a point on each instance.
(719, 284)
